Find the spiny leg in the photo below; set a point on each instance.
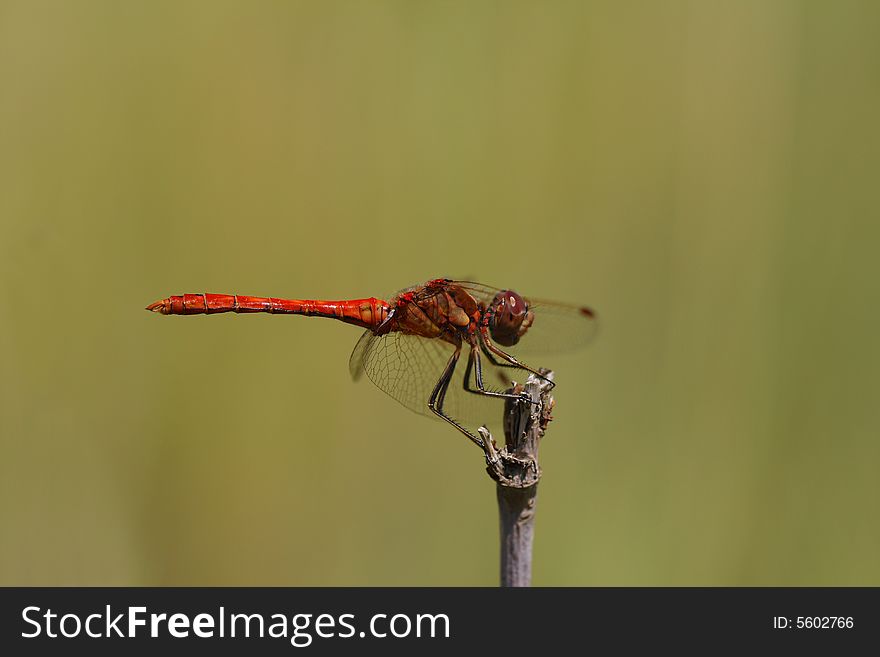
(497, 363)
(435, 403)
(491, 358)
(475, 364)
(487, 342)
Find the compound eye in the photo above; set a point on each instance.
(514, 303)
(509, 312)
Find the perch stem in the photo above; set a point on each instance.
(516, 472)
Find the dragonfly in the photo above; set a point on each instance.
(412, 343)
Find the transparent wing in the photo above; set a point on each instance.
(480, 292)
(356, 360)
(408, 367)
(557, 327)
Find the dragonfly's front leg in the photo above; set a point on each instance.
(435, 403)
(487, 342)
(491, 358)
(475, 364)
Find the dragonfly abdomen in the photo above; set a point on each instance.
(367, 313)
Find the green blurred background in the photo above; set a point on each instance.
(705, 174)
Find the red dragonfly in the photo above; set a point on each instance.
(412, 342)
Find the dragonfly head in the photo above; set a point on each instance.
(509, 318)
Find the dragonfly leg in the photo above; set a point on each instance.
(488, 344)
(491, 358)
(435, 403)
(475, 364)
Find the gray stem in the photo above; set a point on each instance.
(515, 469)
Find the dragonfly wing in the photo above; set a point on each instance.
(557, 328)
(356, 360)
(408, 367)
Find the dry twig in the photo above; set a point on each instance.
(516, 471)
